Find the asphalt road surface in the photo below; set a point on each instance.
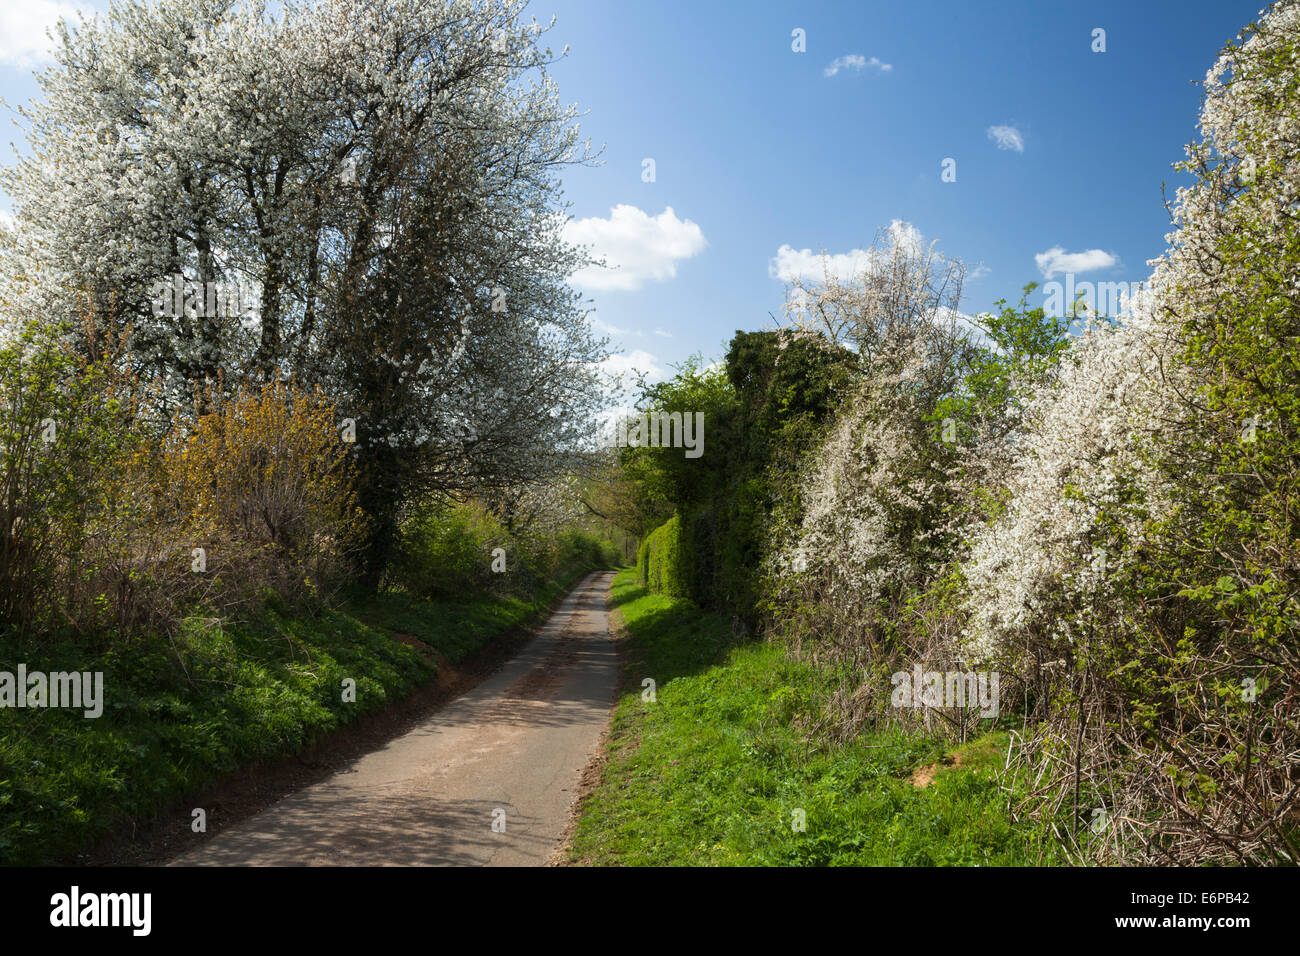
(509, 752)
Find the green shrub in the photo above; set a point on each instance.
(762, 412)
(660, 559)
(446, 550)
(65, 445)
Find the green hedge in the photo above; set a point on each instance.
(660, 559)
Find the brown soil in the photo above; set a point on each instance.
(410, 640)
(924, 776)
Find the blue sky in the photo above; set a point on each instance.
(761, 149)
(757, 148)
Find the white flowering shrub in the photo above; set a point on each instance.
(1079, 491)
(878, 500)
(1116, 535)
(874, 522)
(1144, 576)
(865, 573)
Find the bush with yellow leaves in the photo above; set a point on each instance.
(258, 494)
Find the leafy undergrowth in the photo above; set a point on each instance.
(176, 718)
(716, 769)
(457, 629)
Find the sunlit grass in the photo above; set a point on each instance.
(716, 770)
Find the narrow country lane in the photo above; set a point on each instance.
(516, 743)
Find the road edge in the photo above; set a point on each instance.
(594, 771)
(243, 793)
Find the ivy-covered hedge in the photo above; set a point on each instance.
(763, 410)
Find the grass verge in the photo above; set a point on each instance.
(179, 717)
(716, 770)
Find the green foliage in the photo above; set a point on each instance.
(446, 551)
(664, 477)
(174, 721)
(1022, 349)
(661, 558)
(65, 444)
(207, 672)
(102, 508)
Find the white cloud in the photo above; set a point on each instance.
(637, 248)
(967, 324)
(1007, 137)
(637, 360)
(856, 61)
(23, 26)
(979, 272)
(667, 335)
(620, 381)
(790, 263)
(603, 327)
(1056, 260)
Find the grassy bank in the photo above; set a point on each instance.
(176, 717)
(714, 771)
